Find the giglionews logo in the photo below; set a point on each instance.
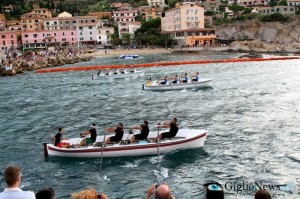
(240, 187)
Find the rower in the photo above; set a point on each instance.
(99, 73)
(144, 128)
(185, 78)
(119, 130)
(176, 79)
(165, 80)
(196, 77)
(173, 129)
(149, 82)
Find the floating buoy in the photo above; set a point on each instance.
(158, 64)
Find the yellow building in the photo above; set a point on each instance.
(32, 21)
(152, 13)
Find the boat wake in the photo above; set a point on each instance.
(161, 174)
(133, 164)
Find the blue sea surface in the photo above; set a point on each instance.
(252, 114)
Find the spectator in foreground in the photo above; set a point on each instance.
(13, 177)
(214, 190)
(159, 191)
(262, 194)
(47, 193)
(88, 194)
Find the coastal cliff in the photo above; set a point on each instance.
(264, 36)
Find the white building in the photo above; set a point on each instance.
(128, 27)
(103, 33)
(125, 16)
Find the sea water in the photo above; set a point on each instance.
(252, 113)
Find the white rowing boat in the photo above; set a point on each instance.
(120, 75)
(185, 139)
(202, 83)
(128, 56)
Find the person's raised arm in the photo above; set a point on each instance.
(150, 191)
(110, 129)
(136, 127)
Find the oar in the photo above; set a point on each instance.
(158, 145)
(102, 155)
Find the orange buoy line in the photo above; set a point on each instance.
(158, 64)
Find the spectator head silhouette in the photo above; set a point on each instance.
(262, 194)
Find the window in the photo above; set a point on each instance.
(91, 38)
(91, 33)
(35, 41)
(3, 36)
(26, 36)
(55, 34)
(64, 39)
(72, 33)
(90, 27)
(12, 42)
(4, 43)
(99, 37)
(63, 34)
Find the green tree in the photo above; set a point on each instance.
(139, 38)
(114, 39)
(236, 9)
(283, 3)
(273, 3)
(127, 38)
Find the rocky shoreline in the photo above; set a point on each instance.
(22, 66)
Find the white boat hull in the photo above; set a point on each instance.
(202, 83)
(185, 139)
(139, 73)
(128, 56)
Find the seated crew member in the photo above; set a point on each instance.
(165, 80)
(119, 133)
(99, 73)
(196, 77)
(185, 78)
(93, 132)
(144, 128)
(173, 129)
(176, 79)
(58, 139)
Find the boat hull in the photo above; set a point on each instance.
(139, 73)
(200, 84)
(185, 139)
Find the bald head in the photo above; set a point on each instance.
(162, 192)
(262, 194)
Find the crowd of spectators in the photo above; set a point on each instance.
(13, 176)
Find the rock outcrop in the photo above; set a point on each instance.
(268, 36)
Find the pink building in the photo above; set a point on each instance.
(185, 24)
(43, 38)
(8, 39)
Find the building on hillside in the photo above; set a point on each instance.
(247, 3)
(125, 16)
(156, 3)
(208, 20)
(285, 10)
(121, 6)
(8, 39)
(64, 15)
(46, 38)
(87, 30)
(212, 5)
(128, 28)
(63, 23)
(185, 25)
(32, 21)
(2, 22)
(7, 9)
(149, 13)
(14, 25)
(43, 11)
(295, 3)
(101, 15)
(103, 34)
